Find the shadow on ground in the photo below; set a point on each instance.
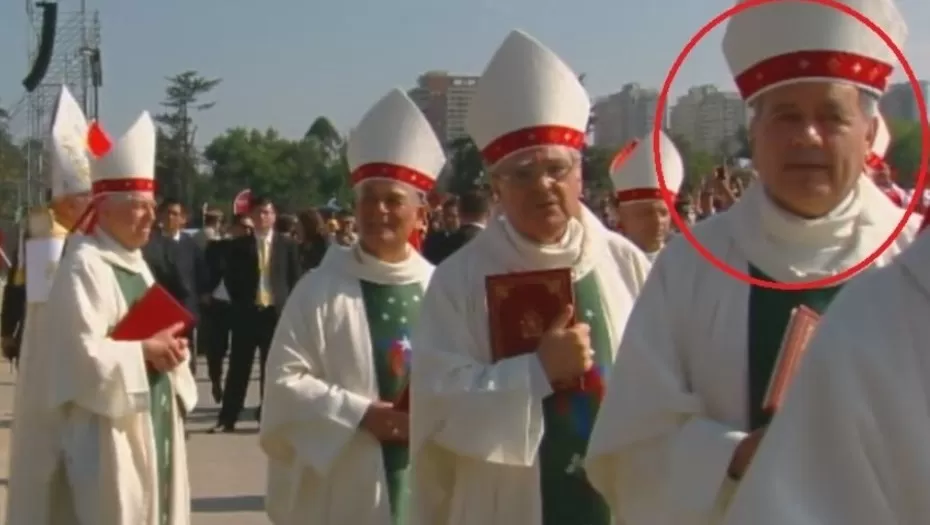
(229, 504)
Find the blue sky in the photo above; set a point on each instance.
(284, 62)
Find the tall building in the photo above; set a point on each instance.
(444, 99)
(708, 118)
(900, 101)
(624, 116)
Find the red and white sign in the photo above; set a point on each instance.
(241, 202)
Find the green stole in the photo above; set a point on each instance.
(769, 313)
(567, 496)
(133, 287)
(391, 311)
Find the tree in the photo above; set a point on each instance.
(292, 173)
(904, 152)
(12, 170)
(698, 164)
(744, 149)
(596, 169)
(466, 165)
(177, 162)
(324, 135)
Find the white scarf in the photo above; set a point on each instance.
(115, 253)
(788, 248)
(578, 249)
(355, 262)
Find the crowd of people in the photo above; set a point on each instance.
(511, 355)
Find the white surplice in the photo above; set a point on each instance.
(36, 475)
(849, 446)
(477, 425)
(677, 403)
(322, 468)
(98, 389)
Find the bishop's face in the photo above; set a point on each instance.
(128, 218)
(809, 143)
(646, 222)
(539, 191)
(387, 213)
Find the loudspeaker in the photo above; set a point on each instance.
(46, 46)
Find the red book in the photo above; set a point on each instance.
(155, 311)
(522, 306)
(798, 333)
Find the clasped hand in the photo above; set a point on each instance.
(165, 350)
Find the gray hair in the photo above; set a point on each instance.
(868, 103)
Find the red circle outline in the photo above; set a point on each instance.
(912, 204)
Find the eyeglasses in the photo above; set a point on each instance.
(556, 170)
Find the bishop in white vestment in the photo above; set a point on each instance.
(119, 402)
(492, 443)
(683, 414)
(36, 475)
(641, 207)
(336, 443)
(849, 445)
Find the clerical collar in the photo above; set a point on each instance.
(579, 249)
(118, 254)
(356, 262)
(789, 248)
(790, 228)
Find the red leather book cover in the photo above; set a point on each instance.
(522, 306)
(155, 311)
(801, 326)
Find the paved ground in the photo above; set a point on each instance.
(227, 471)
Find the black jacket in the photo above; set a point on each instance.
(179, 266)
(241, 275)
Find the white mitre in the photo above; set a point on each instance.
(394, 141)
(785, 42)
(634, 174)
(70, 165)
(876, 157)
(129, 165)
(527, 97)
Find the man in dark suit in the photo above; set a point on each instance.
(474, 208)
(177, 263)
(261, 271)
(216, 323)
(436, 247)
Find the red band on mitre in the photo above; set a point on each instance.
(530, 137)
(384, 170)
(123, 186)
(837, 65)
(641, 194)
